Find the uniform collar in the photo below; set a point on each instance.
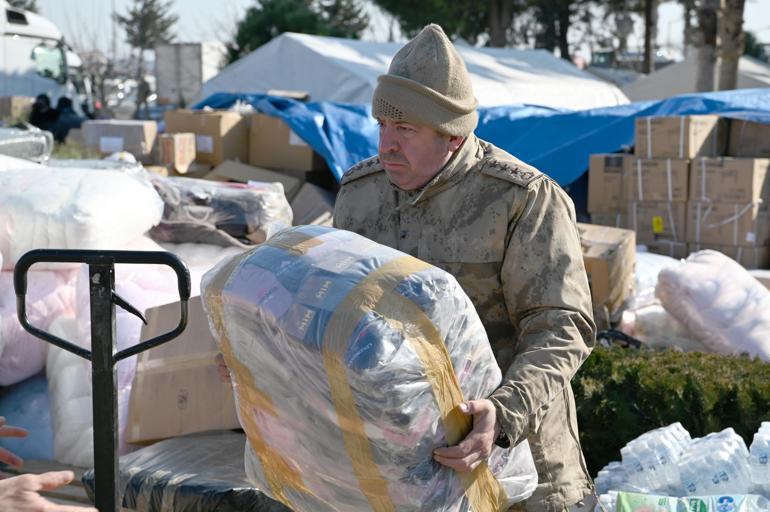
(464, 159)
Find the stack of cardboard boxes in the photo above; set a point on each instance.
(680, 194)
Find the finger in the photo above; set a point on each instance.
(68, 508)
(458, 451)
(10, 458)
(13, 432)
(53, 480)
(465, 464)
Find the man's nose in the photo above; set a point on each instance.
(388, 143)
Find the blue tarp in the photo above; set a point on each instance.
(556, 142)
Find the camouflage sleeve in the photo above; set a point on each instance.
(549, 304)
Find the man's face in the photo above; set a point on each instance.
(413, 154)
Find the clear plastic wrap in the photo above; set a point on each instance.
(726, 308)
(30, 144)
(349, 360)
(226, 214)
(194, 473)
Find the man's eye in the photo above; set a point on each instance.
(405, 129)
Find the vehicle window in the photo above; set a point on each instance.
(50, 62)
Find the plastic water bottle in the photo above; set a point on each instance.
(759, 460)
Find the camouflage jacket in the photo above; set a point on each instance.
(507, 233)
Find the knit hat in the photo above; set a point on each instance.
(427, 83)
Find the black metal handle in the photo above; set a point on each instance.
(96, 257)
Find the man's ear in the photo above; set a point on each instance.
(455, 141)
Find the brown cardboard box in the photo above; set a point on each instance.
(749, 257)
(683, 137)
(609, 255)
(111, 135)
(749, 139)
(737, 224)
(612, 219)
(678, 250)
(236, 171)
(658, 221)
(313, 205)
(176, 389)
(219, 134)
(176, 151)
(272, 144)
(729, 180)
(605, 182)
(658, 179)
(15, 107)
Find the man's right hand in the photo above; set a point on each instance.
(7, 457)
(20, 493)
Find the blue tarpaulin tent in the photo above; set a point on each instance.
(556, 142)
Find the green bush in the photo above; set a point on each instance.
(623, 393)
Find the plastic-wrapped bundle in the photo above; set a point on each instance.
(217, 213)
(715, 464)
(30, 144)
(656, 328)
(613, 477)
(723, 502)
(650, 460)
(50, 294)
(719, 302)
(759, 460)
(197, 472)
(349, 359)
(8, 163)
(76, 208)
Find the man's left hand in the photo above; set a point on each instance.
(477, 445)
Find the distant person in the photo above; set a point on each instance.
(42, 115)
(67, 119)
(21, 493)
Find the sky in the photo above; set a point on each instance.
(87, 23)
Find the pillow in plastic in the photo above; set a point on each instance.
(72, 209)
(719, 302)
(349, 360)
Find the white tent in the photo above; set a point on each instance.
(346, 70)
(679, 78)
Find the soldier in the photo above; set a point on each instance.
(507, 233)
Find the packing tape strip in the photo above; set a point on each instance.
(640, 195)
(668, 174)
(681, 136)
(377, 294)
(649, 137)
(703, 179)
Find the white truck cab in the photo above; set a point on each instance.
(34, 58)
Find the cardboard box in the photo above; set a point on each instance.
(15, 107)
(108, 136)
(313, 205)
(749, 139)
(176, 389)
(609, 255)
(605, 182)
(176, 151)
(682, 137)
(219, 134)
(670, 248)
(749, 257)
(242, 173)
(737, 224)
(612, 219)
(658, 221)
(658, 179)
(729, 180)
(273, 145)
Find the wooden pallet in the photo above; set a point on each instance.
(72, 494)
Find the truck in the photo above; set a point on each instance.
(181, 69)
(34, 59)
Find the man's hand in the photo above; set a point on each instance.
(7, 431)
(222, 369)
(477, 445)
(20, 493)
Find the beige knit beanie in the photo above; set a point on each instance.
(427, 83)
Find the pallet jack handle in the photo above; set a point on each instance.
(103, 357)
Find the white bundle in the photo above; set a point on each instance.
(719, 302)
(72, 209)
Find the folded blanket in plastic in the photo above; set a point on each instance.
(349, 360)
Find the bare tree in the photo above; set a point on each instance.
(732, 41)
(707, 44)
